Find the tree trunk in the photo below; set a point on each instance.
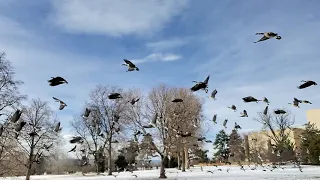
(30, 159)
(183, 160)
(187, 158)
(179, 164)
(109, 159)
(162, 169)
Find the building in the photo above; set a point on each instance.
(313, 116)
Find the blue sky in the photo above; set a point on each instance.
(173, 42)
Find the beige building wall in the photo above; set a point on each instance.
(313, 116)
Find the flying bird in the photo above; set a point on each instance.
(268, 35)
(134, 100)
(280, 111)
(55, 81)
(225, 123)
(20, 126)
(76, 139)
(306, 102)
(244, 114)
(114, 96)
(213, 94)
(233, 107)
(236, 126)
(307, 84)
(201, 85)
(153, 123)
(62, 104)
(266, 100)
(296, 102)
(16, 116)
(265, 112)
(57, 128)
(130, 65)
(73, 149)
(177, 100)
(86, 113)
(214, 119)
(250, 99)
(208, 141)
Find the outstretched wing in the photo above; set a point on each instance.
(58, 100)
(207, 80)
(263, 38)
(129, 63)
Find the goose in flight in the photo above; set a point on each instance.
(307, 84)
(233, 107)
(73, 149)
(225, 123)
(16, 116)
(266, 100)
(177, 100)
(250, 99)
(55, 81)
(62, 104)
(244, 114)
(201, 85)
(214, 119)
(130, 65)
(134, 100)
(114, 96)
(280, 111)
(86, 113)
(268, 35)
(213, 94)
(296, 102)
(265, 112)
(153, 123)
(57, 128)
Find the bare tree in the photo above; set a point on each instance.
(277, 127)
(38, 134)
(101, 129)
(171, 119)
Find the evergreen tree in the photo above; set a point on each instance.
(236, 148)
(202, 155)
(310, 149)
(121, 162)
(220, 144)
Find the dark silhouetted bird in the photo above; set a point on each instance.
(265, 112)
(33, 134)
(20, 126)
(250, 99)
(268, 35)
(213, 94)
(225, 123)
(201, 139)
(76, 139)
(57, 128)
(266, 100)
(208, 141)
(73, 149)
(177, 100)
(86, 113)
(214, 119)
(16, 116)
(153, 122)
(62, 104)
(134, 100)
(280, 111)
(201, 85)
(55, 81)
(130, 65)
(244, 114)
(237, 126)
(233, 107)
(307, 84)
(306, 102)
(114, 96)
(296, 102)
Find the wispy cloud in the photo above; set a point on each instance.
(115, 18)
(157, 57)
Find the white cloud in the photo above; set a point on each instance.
(157, 57)
(115, 18)
(167, 44)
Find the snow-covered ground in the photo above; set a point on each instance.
(288, 173)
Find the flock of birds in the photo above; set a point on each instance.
(202, 85)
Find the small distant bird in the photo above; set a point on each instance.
(306, 102)
(16, 116)
(33, 134)
(201, 139)
(134, 100)
(1, 130)
(130, 65)
(201, 85)
(250, 99)
(73, 149)
(233, 107)
(237, 126)
(214, 119)
(86, 113)
(266, 100)
(62, 104)
(208, 141)
(225, 123)
(213, 94)
(76, 139)
(55, 81)
(265, 112)
(280, 111)
(244, 114)
(177, 100)
(114, 96)
(296, 102)
(57, 128)
(307, 84)
(153, 122)
(268, 35)
(20, 126)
